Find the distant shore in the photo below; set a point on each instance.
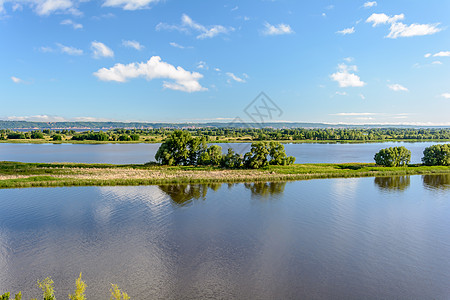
(224, 141)
(23, 175)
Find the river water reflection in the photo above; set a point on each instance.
(358, 238)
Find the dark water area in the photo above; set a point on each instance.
(362, 238)
(143, 153)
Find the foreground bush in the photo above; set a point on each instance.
(393, 157)
(437, 155)
(48, 291)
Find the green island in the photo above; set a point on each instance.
(183, 158)
(16, 175)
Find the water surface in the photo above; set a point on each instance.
(363, 238)
(142, 153)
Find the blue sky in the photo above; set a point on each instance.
(358, 62)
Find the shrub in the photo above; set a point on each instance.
(437, 155)
(393, 157)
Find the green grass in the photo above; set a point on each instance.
(16, 174)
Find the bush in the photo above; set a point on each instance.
(16, 136)
(437, 155)
(393, 157)
(57, 137)
(37, 135)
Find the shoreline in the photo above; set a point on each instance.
(25, 175)
(89, 142)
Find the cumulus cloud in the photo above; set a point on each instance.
(187, 25)
(369, 4)
(345, 78)
(44, 7)
(402, 30)
(67, 49)
(445, 95)
(399, 29)
(16, 79)
(71, 23)
(129, 4)
(378, 19)
(277, 29)
(346, 31)
(235, 78)
(132, 44)
(101, 50)
(442, 54)
(154, 68)
(397, 87)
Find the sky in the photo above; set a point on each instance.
(350, 62)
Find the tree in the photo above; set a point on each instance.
(393, 157)
(437, 155)
(278, 155)
(231, 160)
(212, 156)
(174, 151)
(257, 157)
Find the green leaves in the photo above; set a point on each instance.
(393, 157)
(437, 155)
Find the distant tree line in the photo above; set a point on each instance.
(242, 134)
(435, 155)
(182, 149)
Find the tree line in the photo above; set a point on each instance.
(435, 155)
(182, 149)
(240, 134)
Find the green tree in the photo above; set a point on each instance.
(278, 155)
(231, 160)
(56, 137)
(393, 157)
(37, 134)
(257, 157)
(174, 151)
(211, 156)
(437, 155)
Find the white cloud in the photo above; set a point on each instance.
(402, 30)
(132, 44)
(129, 4)
(47, 7)
(235, 78)
(345, 78)
(16, 79)
(427, 55)
(369, 4)
(187, 24)
(202, 65)
(397, 87)
(68, 49)
(399, 29)
(346, 31)
(277, 29)
(348, 59)
(362, 96)
(152, 69)
(173, 44)
(377, 19)
(37, 118)
(341, 93)
(101, 50)
(442, 54)
(436, 62)
(445, 95)
(71, 23)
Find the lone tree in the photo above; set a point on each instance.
(437, 155)
(393, 157)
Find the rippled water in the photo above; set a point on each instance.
(142, 153)
(334, 238)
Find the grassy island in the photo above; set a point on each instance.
(16, 175)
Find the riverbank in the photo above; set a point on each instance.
(224, 141)
(18, 175)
